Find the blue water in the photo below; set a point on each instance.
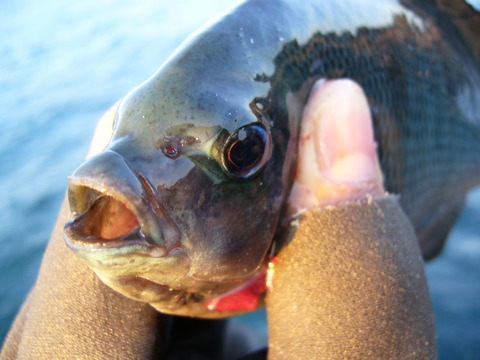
(62, 64)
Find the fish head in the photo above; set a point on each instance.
(182, 205)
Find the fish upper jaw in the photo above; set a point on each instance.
(114, 207)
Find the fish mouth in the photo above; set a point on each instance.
(114, 207)
(107, 222)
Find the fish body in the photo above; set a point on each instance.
(184, 203)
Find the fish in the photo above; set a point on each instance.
(184, 206)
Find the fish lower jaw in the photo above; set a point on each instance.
(187, 297)
(165, 298)
(145, 290)
(133, 241)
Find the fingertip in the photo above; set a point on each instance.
(337, 151)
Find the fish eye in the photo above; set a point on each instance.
(246, 151)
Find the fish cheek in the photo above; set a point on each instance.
(225, 234)
(231, 250)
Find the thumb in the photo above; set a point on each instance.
(337, 159)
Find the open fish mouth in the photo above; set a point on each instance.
(110, 234)
(111, 207)
(106, 222)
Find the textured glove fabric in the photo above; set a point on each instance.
(70, 314)
(351, 285)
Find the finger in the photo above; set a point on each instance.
(337, 159)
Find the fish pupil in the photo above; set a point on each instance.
(247, 152)
(244, 151)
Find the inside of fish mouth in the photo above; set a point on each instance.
(103, 218)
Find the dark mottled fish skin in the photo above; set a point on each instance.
(419, 86)
(204, 233)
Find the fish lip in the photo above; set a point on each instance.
(133, 240)
(137, 239)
